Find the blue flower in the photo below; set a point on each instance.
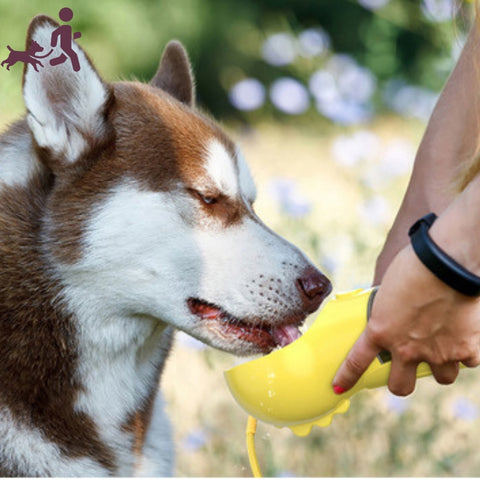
(289, 96)
(373, 4)
(285, 474)
(343, 90)
(313, 42)
(248, 94)
(291, 201)
(409, 100)
(397, 404)
(195, 440)
(464, 409)
(345, 112)
(189, 342)
(397, 160)
(440, 10)
(349, 150)
(330, 263)
(375, 210)
(279, 49)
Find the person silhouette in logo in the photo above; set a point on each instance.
(64, 33)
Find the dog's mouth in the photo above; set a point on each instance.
(265, 337)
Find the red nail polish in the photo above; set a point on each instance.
(338, 390)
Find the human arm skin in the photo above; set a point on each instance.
(417, 317)
(450, 141)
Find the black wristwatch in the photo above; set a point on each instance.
(438, 262)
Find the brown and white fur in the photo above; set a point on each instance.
(125, 213)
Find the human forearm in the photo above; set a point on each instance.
(449, 143)
(457, 230)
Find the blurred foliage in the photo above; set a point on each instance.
(224, 38)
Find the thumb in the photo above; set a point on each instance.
(358, 360)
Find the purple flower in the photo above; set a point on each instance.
(464, 409)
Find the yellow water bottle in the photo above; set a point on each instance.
(292, 387)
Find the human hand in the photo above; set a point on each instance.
(417, 318)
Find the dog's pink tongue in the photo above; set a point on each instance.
(206, 312)
(285, 335)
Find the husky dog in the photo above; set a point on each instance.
(125, 214)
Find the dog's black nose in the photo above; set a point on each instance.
(313, 287)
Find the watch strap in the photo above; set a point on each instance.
(440, 263)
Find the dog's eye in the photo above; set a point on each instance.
(204, 197)
(208, 200)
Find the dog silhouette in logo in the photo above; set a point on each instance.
(28, 56)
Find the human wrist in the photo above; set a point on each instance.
(455, 239)
(456, 230)
(413, 207)
(439, 262)
(423, 284)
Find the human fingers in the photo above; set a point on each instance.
(472, 360)
(358, 359)
(403, 376)
(446, 373)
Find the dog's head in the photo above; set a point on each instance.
(151, 211)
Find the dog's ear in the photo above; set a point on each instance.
(66, 101)
(174, 74)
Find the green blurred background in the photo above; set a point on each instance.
(329, 100)
(384, 45)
